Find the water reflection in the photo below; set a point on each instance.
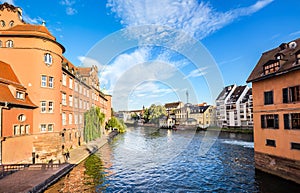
(130, 164)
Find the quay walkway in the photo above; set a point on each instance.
(36, 178)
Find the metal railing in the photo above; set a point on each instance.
(7, 169)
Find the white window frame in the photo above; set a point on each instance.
(70, 119)
(71, 83)
(43, 81)
(50, 127)
(50, 106)
(51, 82)
(48, 58)
(43, 106)
(64, 79)
(43, 127)
(9, 44)
(64, 99)
(64, 121)
(70, 100)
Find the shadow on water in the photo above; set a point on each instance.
(268, 183)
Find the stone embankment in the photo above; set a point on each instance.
(36, 178)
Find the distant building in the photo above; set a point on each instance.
(276, 103)
(233, 107)
(204, 115)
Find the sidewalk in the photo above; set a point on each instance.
(38, 178)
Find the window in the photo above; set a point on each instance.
(2, 23)
(51, 82)
(9, 44)
(22, 129)
(291, 94)
(21, 118)
(43, 127)
(27, 129)
(76, 102)
(64, 118)
(80, 89)
(64, 79)
(48, 59)
(295, 146)
(70, 119)
(16, 130)
(11, 23)
(270, 121)
(70, 100)
(70, 83)
(19, 95)
(50, 106)
(0, 44)
(271, 67)
(43, 106)
(298, 58)
(64, 99)
(80, 104)
(76, 119)
(76, 86)
(43, 81)
(50, 127)
(268, 96)
(270, 142)
(80, 119)
(291, 121)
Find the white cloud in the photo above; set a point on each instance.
(8, 1)
(196, 73)
(70, 10)
(28, 19)
(296, 33)
(198, 19)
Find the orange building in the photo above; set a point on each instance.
(54, 85)
(276, 104)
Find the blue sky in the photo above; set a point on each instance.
(156, 65)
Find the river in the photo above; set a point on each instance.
(156, 160)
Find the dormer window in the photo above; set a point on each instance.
(298, 57)
(20, 95)
(279, 56)
(11, 23)
(271, 67)
(48, 59)
(2, 23)
(9, 44)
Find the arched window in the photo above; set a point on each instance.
(0, 44)
(11, 23)
(48, 58)
(9, 44)
(2, 23)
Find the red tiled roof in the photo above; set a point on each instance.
(172, 105)
(287, 63)
(8, 77)
(30, 27)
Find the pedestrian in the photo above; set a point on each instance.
(68, 154)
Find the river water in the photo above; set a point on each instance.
(155, 160)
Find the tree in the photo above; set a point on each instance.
(154, 113)
(116, 123)
(93, 122)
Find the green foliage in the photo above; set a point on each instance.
(116, 123)
(94, 173)
(93, 121)
(154, 113)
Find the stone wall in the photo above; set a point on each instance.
(48, 147)
(282, 167)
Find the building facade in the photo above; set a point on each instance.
(58, 89)
(234, 107)
(276, 96)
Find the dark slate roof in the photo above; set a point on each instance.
(172, 105)
(225, 92)
(198, 109)
(237, 93)
(287, 63)
(246, 97)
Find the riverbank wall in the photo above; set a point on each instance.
(38, 179)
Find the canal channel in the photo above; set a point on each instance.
(146, 159)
